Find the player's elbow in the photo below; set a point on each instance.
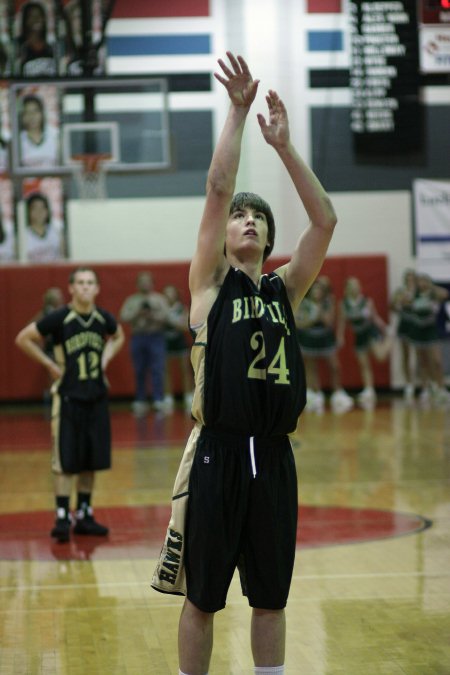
(20, 340)
(220, 185)
(330, 217)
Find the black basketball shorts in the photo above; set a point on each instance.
(81, 434)
(242, 512)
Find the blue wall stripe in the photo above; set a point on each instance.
(158, 45)
(433, 239)
(325, 40)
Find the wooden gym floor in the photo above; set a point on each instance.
(371, 587)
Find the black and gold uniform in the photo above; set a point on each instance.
(80, 417)
(241, 478)
(253, 373)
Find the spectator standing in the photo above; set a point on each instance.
(147, 314)
(177, 348)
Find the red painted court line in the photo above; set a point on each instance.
(138, 532)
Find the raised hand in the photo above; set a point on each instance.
(240, 85)
(276, 131)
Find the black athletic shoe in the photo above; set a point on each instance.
(88, 525)
(61, 531)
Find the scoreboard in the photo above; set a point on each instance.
(434, 11)
(384, 76)
(434, 32)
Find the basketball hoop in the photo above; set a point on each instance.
(90, 174)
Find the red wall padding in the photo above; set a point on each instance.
(22, 289)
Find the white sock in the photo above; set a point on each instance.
(266, 670)
(180, 672)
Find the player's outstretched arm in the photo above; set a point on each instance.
(208, 257)
(312, 246)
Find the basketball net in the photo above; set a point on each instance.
(90, 175)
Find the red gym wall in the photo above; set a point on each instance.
(24, 286)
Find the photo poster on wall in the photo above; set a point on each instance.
(5, 41)
(42, 223)
(434, 36)
(5, 127)
(38, 111)
(8, 229)
(35, 43)
(82, 52)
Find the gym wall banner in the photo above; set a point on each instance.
(432, 227)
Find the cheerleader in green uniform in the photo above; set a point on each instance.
(401, 304)
(424, 336)
(315, 320)
(370, 335)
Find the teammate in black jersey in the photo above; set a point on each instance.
(85, 339)
(242, 490)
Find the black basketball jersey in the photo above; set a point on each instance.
(79, 340)
(254, 375)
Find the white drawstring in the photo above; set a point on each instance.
(252, 455)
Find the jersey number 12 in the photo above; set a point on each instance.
(88, 366)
